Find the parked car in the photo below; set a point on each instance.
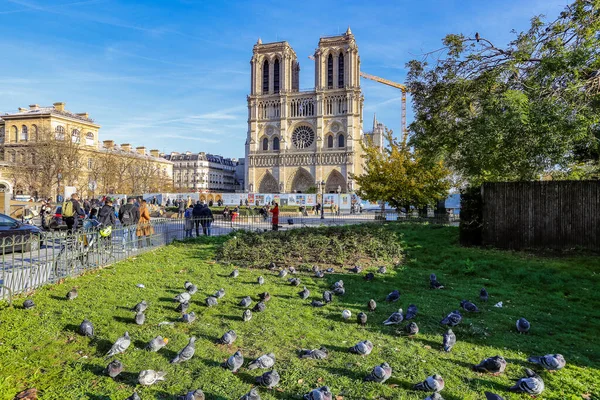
(17, 236)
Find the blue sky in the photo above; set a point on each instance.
(174, 75)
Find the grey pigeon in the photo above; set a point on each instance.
(294, 281)
(189, 318)
(493, 365)
(27, 304)
(134, 396)
(140, 318)
(468, 306)
(319, 274)
(369, 277)
(433, 383)
(340, 291)
(86, 328)
(395, 318)
(272, 266)
(493, 396)
(183, 297)
(371, 305)
(186, 353)
(449, 340)
(452, 319)
(322, 393)
(356, 269)
(228, 338)
(260, 280)
(393, 296)
(140, 307)
(259, 307)
(149, 377)
(246, 301)
(531, 384)
(264, 296)
(114, 368)
(157, 343)
(304, 293)
(361, 318)
(363, 348)
(234, 274)
(120, 345)
(330, 270)
(379, 374)
(182, 307)
(220, 293)
(317, 303)
(251, 395)
(411, 329)
(187, 284)
(338, 284)
(72, 294)
(195, 395)
(411, 312)
(283, 273)
(292, 270)
(433, 282)
(265, 361)
(317, 354)
(247, 315)
(552, 362)
(523, 325)
(434, 396)
(192, 289)
(483, 295)
(268, 379)
(235, 362)
(382, 270)
(211, 301)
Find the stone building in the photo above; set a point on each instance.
(301, 140)
(203, 172)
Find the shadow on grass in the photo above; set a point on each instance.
(102, 346)
(345, 372)
(60, 298)
(126, 320)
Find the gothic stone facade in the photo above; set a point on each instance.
(298, 139)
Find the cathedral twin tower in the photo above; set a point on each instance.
(301, 139)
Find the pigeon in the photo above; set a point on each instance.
(317, 354)
(369, 277)
(251, 395)
(322, 393)
(186, 353)
(182, 307)
(195, 395)
(493, 365)
(304, 293)
(272, 266)
(411, 312)
(260, 280)
(411, 329)
(268, 379)
(235, 362)
(523, 325)
(393, 296)
(452, 319)
(228, 338)
(234, 274)
(121, 344)
(434, 396)
(134, 396)
(468, 306)
(379, 374)
(247, 315)
(211, 301)
(187, 284)
(530, 384)
(157, 343)
(294, 281)
(265, 296)
(259, 307)
(246, 301)
(317, 303)
(282, 273)
(72, 295)
(357, 269)
(114, 368)
(346, 314)
(433, 383)
(433, 282)
(220, 293)
(330, 270)
(483, 295)
(449, 340)
(493, 396)
(552, 362)
(382, 270)
(140, 307)
(86, 328)
(292, 270)
(363, 348)
(327, 296)
(149, 377)
(189, 318)
(340, 291)
(361, 318)
(140, 318)
(27, 304)
(140, 285)
(192, 289)
(395, 318)
(371, 305)
(338, 284)
(183, 297)
(319, 274)
(265, 361)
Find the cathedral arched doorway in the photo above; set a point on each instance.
(268, 184)
(301, 181)
(335, 181)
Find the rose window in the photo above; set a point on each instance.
(303, 137)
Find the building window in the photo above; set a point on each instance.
(89, 139)
(265, 87)
(276, 76)
(330, 141)
(13, 157)
(34, 133)
(15, 134)
(341, 140)
(341, 70)
(24, 134)
(330, 71)
(60, 132)
(265, 145)
(90, 163)
(1, 134)
(276, 143)
(75, 136)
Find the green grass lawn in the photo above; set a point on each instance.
(558, 295)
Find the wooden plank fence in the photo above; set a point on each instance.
(545, 214)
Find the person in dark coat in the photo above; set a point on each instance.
(197, 216)
(206, 219)
(181, 209)
(106, 215)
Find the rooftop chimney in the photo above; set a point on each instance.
(109, 144)
(21, 109)
(60, 106)
(154, 153)
(84, 115)
(34, 106)
(126, 147)
(141, 150)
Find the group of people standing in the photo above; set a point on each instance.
(196, 216)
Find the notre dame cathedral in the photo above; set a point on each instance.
(301, 139)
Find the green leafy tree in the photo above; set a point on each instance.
(399, 176)
(517, 112)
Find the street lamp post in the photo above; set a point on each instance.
(351, 197)
(339, 191)
(322, 199)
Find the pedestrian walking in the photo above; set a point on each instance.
(275, 220)
(129, 216)
(181, 208)
(71, 212)
(189, 222)
(206, 219)
(144, 228)
(197, 216)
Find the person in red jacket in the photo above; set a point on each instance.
(275, 220)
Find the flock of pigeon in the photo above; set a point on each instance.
(531, 383)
